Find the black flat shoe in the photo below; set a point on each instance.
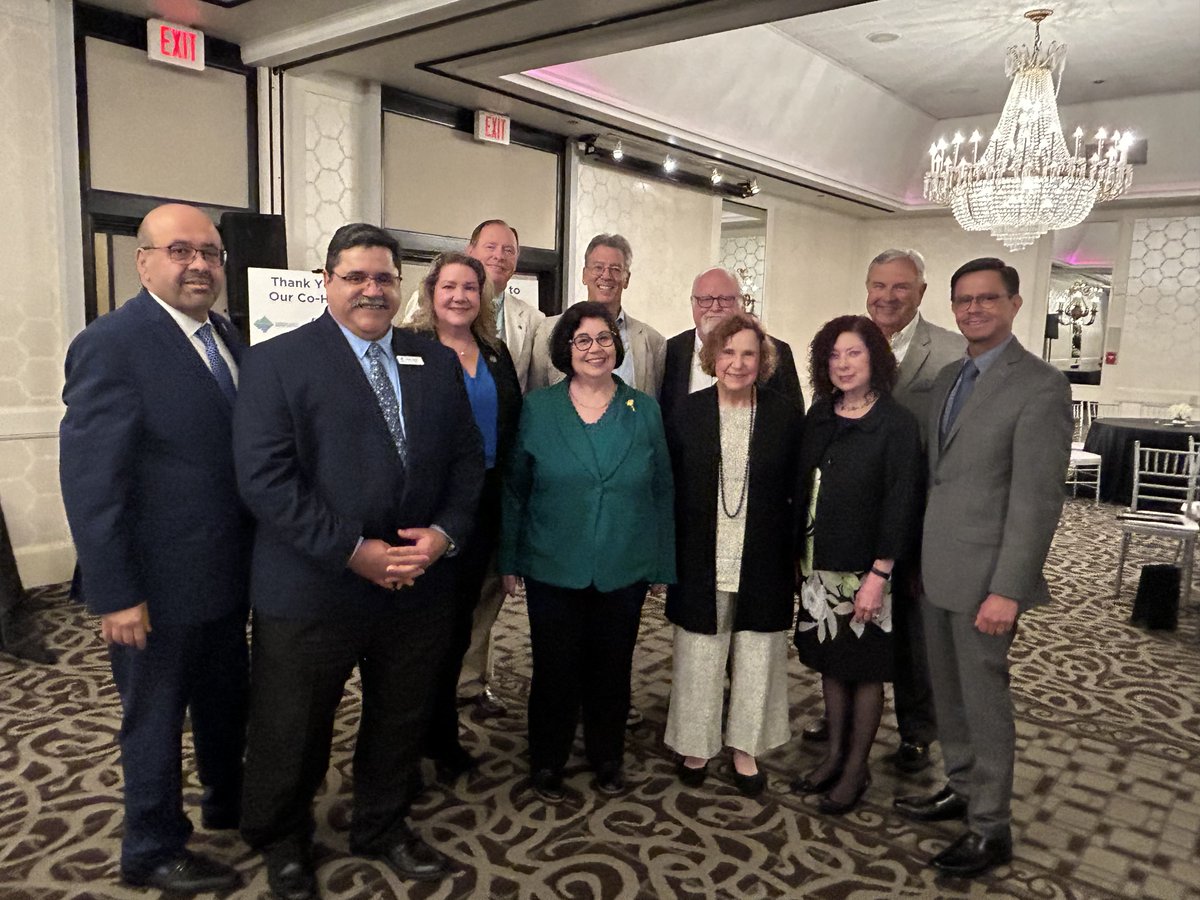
(609, 781)
(973, 854)
(187, 873)
(910, 757)
(291, 877)
(691, 777)
(548, 786)
(413, 859)
(946, 804)
(831, 807)
(805, 785)
(749, 785)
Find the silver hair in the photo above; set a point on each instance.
(914, 258)
(616, 241)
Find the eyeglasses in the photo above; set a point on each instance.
(721, 302)
(185, 253)
(599, 269)
(583, 342)
(385, 281)
(983, 301)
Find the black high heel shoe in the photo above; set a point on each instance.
(805, 785)
(831, 807)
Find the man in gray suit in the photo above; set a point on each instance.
(999, 436)
(606, 268)
(895, 287)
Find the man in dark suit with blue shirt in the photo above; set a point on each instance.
(358, 455)
(163, 542)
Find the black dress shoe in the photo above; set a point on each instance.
(749, 785)
(816, 732)
(946, 804)
(609, 780)
(806, 785)
(489, 705)
(291, 877)
(691, 777)
(832, 807)
(973, 854)
(412, 858)
(187, 873)
(910, 757)
(548, 786)
(453, 762)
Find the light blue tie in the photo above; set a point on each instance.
(966, 384)
(216, 362)
(386, 395)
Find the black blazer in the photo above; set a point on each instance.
(677, 373)
(767, 583)
(317, 467)
(146, 464)
(872, 482)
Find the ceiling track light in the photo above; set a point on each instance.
(669, 163)
(618, 152)
(716, 177)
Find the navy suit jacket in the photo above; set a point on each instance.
(318, 468)
(146, 465)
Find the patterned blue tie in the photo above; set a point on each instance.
(216, 362)
(386, 395)
(966, 384)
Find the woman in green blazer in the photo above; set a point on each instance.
(588, 523)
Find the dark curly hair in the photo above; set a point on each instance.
(568, 324)
(883, 363)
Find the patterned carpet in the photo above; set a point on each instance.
(1107, 786)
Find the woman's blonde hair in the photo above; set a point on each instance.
(425, 318)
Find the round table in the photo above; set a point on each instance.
(1113, 439)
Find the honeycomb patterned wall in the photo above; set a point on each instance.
(1161, 340)
(329, 167)
(31, 307)
(747, 252)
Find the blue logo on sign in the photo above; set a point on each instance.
(264, 324)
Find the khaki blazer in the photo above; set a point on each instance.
(649, 349)
(995, 483)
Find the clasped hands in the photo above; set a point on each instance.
(396, 567)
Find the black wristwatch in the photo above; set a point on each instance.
(886, 576)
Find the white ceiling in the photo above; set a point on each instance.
(949, 58)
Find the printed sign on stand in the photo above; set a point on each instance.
(282, 299)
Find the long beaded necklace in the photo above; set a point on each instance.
(746, 470)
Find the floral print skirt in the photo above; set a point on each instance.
(826, 638)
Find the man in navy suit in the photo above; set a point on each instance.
(359, 457)
(716, 295)
(163, 542)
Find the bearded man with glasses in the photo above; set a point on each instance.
(716, 295)
(163, 542)
(607, 264)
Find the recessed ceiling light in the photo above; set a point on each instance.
(882, 37)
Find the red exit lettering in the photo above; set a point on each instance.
(177, 44)
(496, 127)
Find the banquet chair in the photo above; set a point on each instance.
(1163, 478)
(1083, 470)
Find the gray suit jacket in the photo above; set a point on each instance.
(932, 349)
(995, 483)
(649, 349)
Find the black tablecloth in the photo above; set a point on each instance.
(1113, 440)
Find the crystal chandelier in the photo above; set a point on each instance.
(1026, 183)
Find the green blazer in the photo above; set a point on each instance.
(589, 505)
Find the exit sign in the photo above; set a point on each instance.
(491, 127)
(175, 44)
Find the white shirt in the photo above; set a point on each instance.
(190, 326)
(699, 379)
(902, 339)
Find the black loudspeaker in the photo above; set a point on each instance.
(252, 241)
(1157, 603)
(1051, 327)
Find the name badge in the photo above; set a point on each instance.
(409, 360)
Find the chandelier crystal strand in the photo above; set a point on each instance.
(1027, 182)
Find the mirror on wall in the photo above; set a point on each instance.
(1077, 305)
(744, 250)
